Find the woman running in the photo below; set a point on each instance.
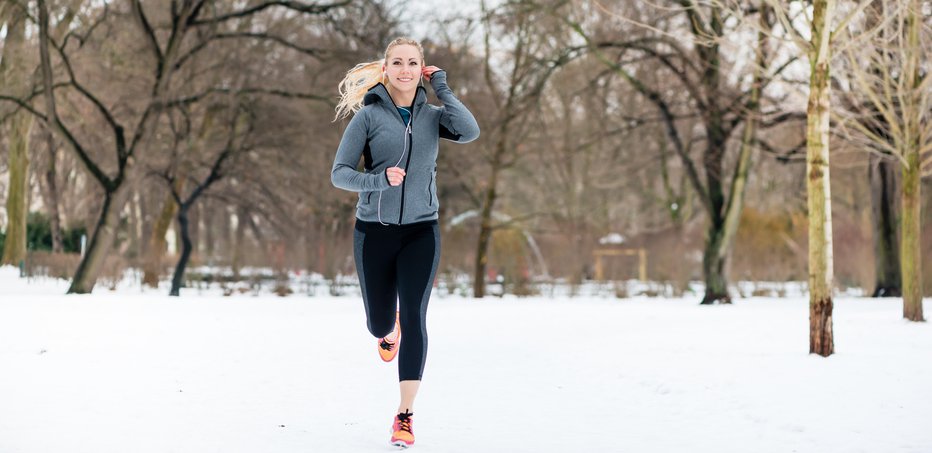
(397, 237)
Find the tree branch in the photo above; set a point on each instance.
(111, 121)
(794, 154)
(292, 5)
(149, 34)
(243, 91)
(310, 51)
(657, 100)
(53, 121)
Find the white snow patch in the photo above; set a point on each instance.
(136, 371)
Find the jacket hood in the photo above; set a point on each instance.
(379, 93)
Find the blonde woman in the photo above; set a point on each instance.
(397, 237)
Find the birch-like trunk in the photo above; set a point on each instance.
(821, 340)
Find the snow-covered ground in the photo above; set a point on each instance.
(137, 372)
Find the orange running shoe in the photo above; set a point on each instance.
(388, 346)
(402, 432)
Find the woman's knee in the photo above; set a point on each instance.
(381, 327)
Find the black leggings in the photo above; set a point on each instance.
(398, 262)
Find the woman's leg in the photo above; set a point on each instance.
(374, 254)
(417, 265)
(408, 392)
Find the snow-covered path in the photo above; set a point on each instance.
(128, 372)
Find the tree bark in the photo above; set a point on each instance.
(157, 243)
(882, 177)
(85, 276)
(17, 210)
(238, 241)
(178, 278)
(910, 246)
(485, 235)
(713, 267)
(13, 77)
(52, 197)
(821, 340)
(912, 171)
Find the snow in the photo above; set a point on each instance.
(137, 371)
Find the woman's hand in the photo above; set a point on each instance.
(426, 71)
(395, 175)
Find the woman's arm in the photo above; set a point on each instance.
(458, 121)
(344, 174)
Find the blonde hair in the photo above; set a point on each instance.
(364, 76)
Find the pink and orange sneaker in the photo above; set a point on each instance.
(388, 346)
(402, 430)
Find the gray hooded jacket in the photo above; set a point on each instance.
(378, 134)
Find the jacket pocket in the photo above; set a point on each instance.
(432, 200)
(365, 208)
(364, 199)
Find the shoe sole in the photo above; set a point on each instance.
(400, 443)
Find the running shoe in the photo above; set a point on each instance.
(402, 432)
(388, 346)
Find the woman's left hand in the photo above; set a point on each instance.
(426, 71)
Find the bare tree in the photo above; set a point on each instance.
(700, 67)
(235, 144)
(818, 47)
(821, 339)
(166, 56)
(529, 61)
(889, 107)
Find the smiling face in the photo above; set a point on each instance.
(403, 67)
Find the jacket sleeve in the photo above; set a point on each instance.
(344, 174)
(456, 121)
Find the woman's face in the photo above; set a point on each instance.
(403, 67)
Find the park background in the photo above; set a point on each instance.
(637, 159)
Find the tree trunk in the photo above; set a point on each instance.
(157, 243)
(209, 225)
(13, 78)
(721, 238)
(17, 210)
(912, 171)
(910, 246)
(52, 197)
(194, 230)
(178, 278)
(485, 235)
(821, 340)
(713, 267)
(238, 241)
(882, 177)
(100, 243)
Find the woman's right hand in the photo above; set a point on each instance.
(395, 175)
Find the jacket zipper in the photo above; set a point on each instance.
(410, 133)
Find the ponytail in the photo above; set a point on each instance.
(354, 86)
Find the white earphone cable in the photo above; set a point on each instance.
(404, 150)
